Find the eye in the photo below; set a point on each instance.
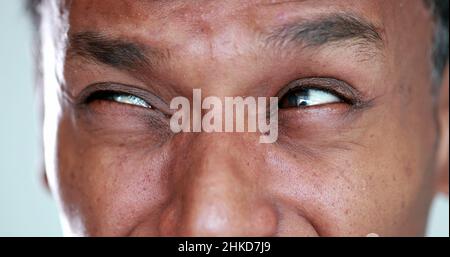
(119, 97)
(306, 97)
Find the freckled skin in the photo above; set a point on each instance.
(331, 173)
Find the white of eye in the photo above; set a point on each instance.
(316, 97)
(130, 99)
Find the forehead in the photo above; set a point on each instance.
(132, 11)
(171, 23)
(206, 17)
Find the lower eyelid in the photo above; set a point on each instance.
(334, 107)
(109, 113)
(110, 118)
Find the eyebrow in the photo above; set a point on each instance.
(115, 52)
(338, 28)
(120, 53)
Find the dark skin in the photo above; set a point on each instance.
(368, 163)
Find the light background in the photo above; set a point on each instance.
(26, 209)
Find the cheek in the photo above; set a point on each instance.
(331, 191)
(108, 181)
(401, 175)
(352, 183)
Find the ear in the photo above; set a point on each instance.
(443, 149)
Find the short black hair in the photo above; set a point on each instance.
(439, 9)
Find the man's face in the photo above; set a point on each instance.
(358, 156)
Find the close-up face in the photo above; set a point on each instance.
(362, 142)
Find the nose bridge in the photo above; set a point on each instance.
(216, 157)
(216, 197)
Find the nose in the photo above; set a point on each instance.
(217, 194)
